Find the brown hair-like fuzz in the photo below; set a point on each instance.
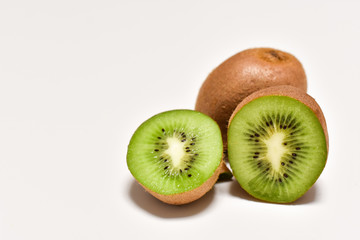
(241, 75)
(190, 196)
(292, 92)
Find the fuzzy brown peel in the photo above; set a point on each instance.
(245, 73)
(190, 196)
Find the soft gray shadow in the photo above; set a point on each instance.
(160, 209)
(237, 191)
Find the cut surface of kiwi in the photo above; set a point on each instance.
(174, 153)
(277, 147)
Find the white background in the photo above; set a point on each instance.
(78, 77)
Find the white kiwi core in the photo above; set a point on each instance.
(275, 149)
(175, 151)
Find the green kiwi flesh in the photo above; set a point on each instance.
(175, 152)
(277, 148)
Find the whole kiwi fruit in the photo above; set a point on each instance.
(241, 75)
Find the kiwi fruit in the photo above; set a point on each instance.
(176, 155)
(242, 74)
(277, 143)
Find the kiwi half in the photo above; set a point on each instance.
(176, 155)
(242, 74)
(277, 143)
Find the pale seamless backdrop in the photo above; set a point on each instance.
(78, 77)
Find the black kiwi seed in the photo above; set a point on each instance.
(294, 154)
(156, 150)
(257, 140)
(284, 127)
(257, 135)
(267, 124)
(282, 163)
(285, 175)
(291, 162)
(180, 170)
(251, 136)
(192, 144)
(188, 150)
(163, 130)
(285, 143)
(189, 175)
(298, 148)
(255, 156)
(280, 180)
(165, 160)
(186, 169)
(166, 167)
(159, 137)
(183, 140)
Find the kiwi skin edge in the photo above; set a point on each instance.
(190, 196)
(294, 93)
(242, 74)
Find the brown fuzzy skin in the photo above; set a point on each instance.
(190, 196)
(292, 92)
(242, 74)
